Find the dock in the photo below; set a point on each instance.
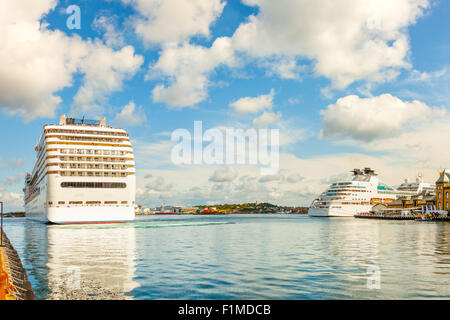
(399, 217)
(14, 284)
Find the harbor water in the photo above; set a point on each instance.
(236, 257)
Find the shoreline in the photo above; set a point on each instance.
(221, 214)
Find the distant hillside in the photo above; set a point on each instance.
(14, 214)
(263, 207)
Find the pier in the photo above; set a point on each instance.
(14, 284)
(400, 217)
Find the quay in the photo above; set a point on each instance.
(14, 284)
(401, 217)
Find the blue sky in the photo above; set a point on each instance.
(350, 84)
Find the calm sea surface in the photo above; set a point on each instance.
(236, 257)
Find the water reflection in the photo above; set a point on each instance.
(93, 262)
(34, 255)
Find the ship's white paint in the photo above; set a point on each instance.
(53, 202)
(348, 198)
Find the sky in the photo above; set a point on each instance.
(348, 84)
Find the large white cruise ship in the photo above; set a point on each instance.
(84, 173)
(348, 198)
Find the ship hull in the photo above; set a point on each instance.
(101, 214)
(349, 211)
(70, 215)
(51, 192)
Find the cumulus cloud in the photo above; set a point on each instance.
(271, 178)
(11, 201)
(187, 68)
(10, 180)
(283, 67)
(371, 118)
(130, 115)
(159, 185)
(349, 40)
(266, 119)
(254, 104)
(346, 41)
(294, 178)
(105, 70)
(224, 174)
(38, 62)
(108, 26)
(174, 20)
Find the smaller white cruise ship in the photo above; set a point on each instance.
(408, 188)
(348, 198)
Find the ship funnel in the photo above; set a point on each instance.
(62, 120)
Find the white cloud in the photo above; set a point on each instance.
(224, 174)
(294, 178)
(174, 20)
(11, 180)
(158, 184)
(130, 115)
(419, 146)
(108, 26)
(187, 68)
(284, 67)
(105, 70)
(371, 118)
(349, 40)
(254, 104)
(266, 119)
(271, 178)
(11, 201)
(38, 62)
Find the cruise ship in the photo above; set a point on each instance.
(84, 173)
(408, 188)
(348, 198)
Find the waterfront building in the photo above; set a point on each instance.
(84, 172)
(443, 190)
(415, 203)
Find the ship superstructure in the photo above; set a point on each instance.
(84, 173)
(348, 198)
(408, 188)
